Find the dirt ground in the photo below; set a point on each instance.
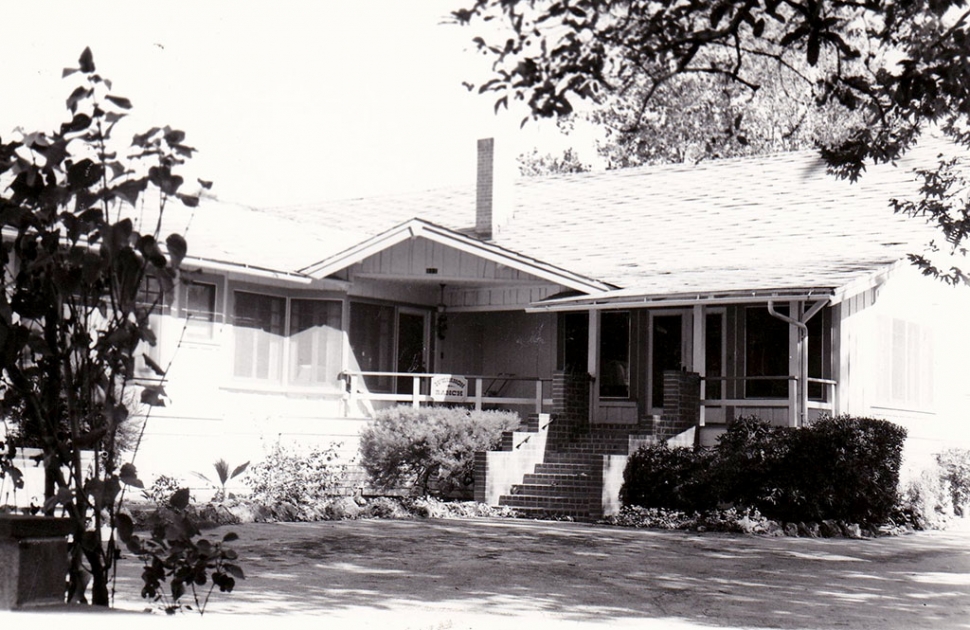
(488, 573)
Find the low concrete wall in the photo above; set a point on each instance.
(613, 467)
(497, 471)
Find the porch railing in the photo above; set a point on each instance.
(826, 403)
(480, 390)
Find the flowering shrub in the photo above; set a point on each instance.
(431, 449)
(300, 479)
(954, 465)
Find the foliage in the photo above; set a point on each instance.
(899, 68)
(431, 449)
(162, 489)
(954, 465)
(658, 476)
(840, 468)
(174, 552)
(287, 476)
(535, 165)
(77, 303)
(224, 476)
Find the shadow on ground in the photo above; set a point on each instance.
(582, 573)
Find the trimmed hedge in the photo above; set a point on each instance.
(430, 450)
(840, 468)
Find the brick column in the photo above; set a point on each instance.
(570, 406)
(682, 403)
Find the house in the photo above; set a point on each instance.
(611, 309)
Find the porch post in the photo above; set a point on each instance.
(794, 364)
(415, 391)
(699, 360)
(592, 363)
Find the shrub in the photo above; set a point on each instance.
(954, 466)
(162, 489)
(430, 449)
(661, 477)
(840, 468)
(301, 479)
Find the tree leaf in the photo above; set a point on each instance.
(129, 476)
(155, 367)
(240, 469)
(177, 248)
(86, 61)
(180, 499)
(120, 101)
(230, 536)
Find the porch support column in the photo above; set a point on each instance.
(699, 351)
(592, 363)
(794, 364)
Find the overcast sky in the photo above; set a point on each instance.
(287, 101)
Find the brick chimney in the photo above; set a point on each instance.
(492, 198)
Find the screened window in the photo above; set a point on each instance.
(615, 354)
(258, 321)
(713, 356)
(766, 354)
(372, 342)
(315, 341)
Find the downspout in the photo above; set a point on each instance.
(802, 326)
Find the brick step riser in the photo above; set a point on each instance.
(564, 468)
(536, 490)
(589, 459)
(545, 479)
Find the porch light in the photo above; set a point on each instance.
(441, 321)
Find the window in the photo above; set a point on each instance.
(766, 354)
(200, 309)
(906, 367)
(573, 343)
(372, 342)
(315, 341)
(714, 356)
(667, 352)
(615, 354)
(258, 321)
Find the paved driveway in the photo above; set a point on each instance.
(508, 573)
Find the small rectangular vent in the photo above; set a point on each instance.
(431, 271)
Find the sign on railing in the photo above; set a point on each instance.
(449, 388)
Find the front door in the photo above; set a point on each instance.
(412, 347)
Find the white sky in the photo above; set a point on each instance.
(288, 101)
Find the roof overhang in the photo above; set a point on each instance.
(417, 228)
(626, 299)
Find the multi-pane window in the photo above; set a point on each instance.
(315, 341)
(615, 354)
(259, 327)
(200, 309)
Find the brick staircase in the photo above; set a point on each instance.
(569, 481)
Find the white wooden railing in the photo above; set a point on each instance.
(422, 390)
(826, 404)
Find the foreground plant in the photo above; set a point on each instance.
(81, 282)
(175, 552)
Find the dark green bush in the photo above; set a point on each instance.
(430, 450)
(662, 477)
(840, 468)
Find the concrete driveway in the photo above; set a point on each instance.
(509, 573)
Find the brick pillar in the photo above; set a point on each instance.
(570, 406)
(682, 403)
(33, 560)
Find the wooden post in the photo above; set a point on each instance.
(699, 351)
(478, 394)
(538, 395)
(415, 391)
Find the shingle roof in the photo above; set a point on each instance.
(777, 221)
